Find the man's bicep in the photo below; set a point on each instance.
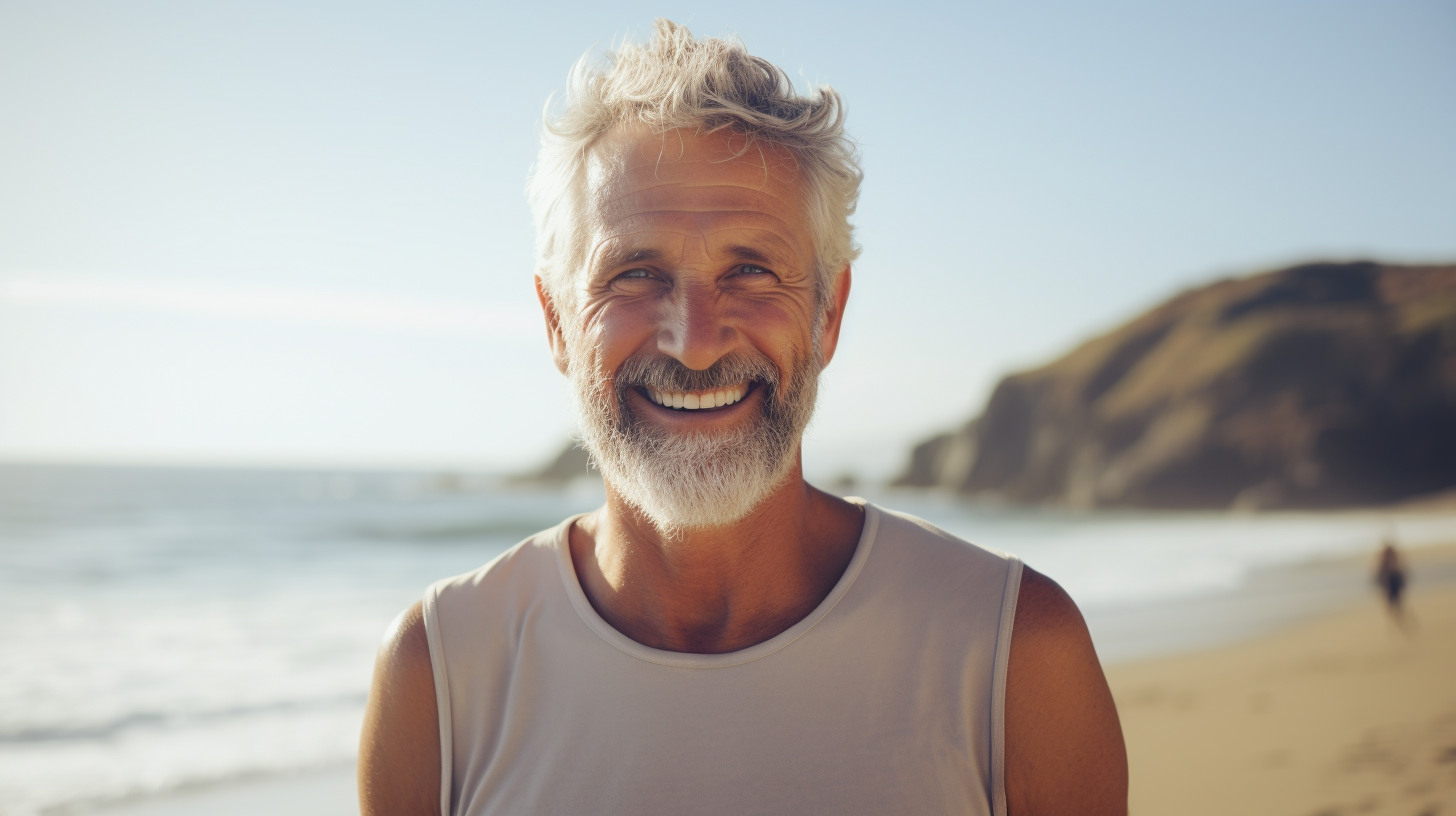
(1064, 749)
(399, 750)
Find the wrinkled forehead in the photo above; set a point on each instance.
(680, 180)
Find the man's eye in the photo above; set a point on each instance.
(636, 281)
(635, 277)
(751, 269)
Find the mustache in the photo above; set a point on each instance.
(668, 374)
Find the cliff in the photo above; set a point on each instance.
(1322, 385)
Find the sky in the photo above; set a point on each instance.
(272, 233)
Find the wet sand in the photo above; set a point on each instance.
(1344, 714)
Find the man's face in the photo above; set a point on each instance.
(693, 346)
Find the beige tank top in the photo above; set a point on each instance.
(887, 698)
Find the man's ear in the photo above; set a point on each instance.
(554, 337)
(834, 315)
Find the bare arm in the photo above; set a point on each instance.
(399, 751)
(1064, 749)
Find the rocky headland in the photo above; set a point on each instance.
(1316, 386)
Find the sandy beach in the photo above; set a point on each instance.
(1343, 714)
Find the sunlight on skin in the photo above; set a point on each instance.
(699, 248)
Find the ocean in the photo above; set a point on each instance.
(163, 629)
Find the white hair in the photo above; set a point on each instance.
(676, 81)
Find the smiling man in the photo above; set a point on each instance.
(720, 636)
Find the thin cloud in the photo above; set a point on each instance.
(309, 306)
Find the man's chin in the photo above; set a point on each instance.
(686, 470)
(673, 511)
(691, 485)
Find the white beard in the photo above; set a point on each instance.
(685, 481)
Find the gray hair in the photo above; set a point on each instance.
(676, 81)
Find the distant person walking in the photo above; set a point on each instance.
(1390, 576)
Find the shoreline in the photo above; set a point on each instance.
(1190, 677)
(1335, 716)
(1270, 600)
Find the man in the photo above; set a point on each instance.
(720, 636)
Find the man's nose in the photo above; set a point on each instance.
(694, 330)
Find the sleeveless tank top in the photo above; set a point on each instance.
(887, 698)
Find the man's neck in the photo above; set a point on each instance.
(716, 590)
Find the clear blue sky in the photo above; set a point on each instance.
(295, 232)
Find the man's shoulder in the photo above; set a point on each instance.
(915, 537)
(916, 566)
(521, 569)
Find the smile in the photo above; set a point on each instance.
(698, 400)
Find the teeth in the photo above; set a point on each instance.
(698, 400)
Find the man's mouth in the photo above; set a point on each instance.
(698, 400)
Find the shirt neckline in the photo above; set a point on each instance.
(690, 660)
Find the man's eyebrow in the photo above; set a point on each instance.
(635, 256)
(748, 253)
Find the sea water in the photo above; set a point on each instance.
(167, 628)
(161, 629)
